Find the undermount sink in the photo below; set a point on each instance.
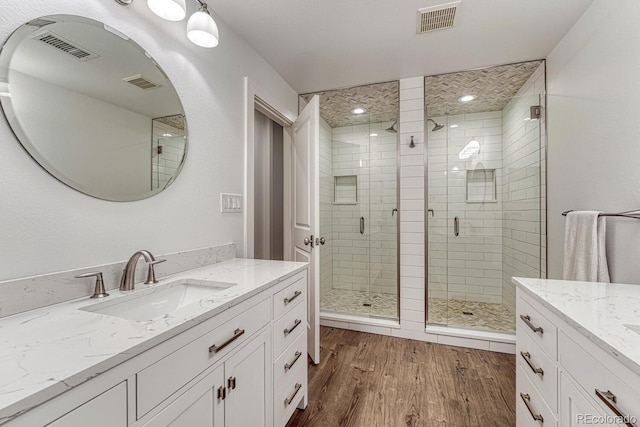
(160, 301)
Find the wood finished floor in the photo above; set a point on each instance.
(366, 380)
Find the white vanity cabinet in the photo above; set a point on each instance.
(220, 372)
(565, 379)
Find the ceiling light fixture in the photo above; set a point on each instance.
(358, 110)
(201, 28)
(467, 98)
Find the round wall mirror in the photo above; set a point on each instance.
(92, 108)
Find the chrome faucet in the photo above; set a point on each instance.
(128, 275)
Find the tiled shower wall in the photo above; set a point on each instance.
(524, 227)
(326, 207)
(366, 261)
(466, 267)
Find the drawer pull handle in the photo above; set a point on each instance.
(527, 320)
(289, 365)
(527, 358)
(236, 334)
(527, 402)
(288, 400)
(611, 401)
(222, 393)
(295, 295)
(288, 331)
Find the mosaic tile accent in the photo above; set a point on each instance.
(493, 87)
(381, 100)
(177, 121)
(486, 316)
(352, 302)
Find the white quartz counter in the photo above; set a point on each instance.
(607, 314)
(48, 351)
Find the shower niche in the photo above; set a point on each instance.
(359, 201)
(345, 190)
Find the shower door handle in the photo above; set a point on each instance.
(456, 226)
(361, 225)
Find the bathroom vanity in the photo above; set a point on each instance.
(229, 349)
(578, 353)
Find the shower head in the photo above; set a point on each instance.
(436, 126)
(392, 128)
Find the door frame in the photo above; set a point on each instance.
(257, 98)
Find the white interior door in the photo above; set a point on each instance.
(306, 211)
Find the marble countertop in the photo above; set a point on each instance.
(608, 314)
(48, 351)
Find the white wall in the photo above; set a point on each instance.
(48, 227)
(594, 154)
(110, 146)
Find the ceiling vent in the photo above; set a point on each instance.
(65, 46)
(142, 82)
(40, 22)
(437, 17)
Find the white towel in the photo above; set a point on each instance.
(585, 256)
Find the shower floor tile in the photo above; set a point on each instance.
(486, 316)
(353, 302)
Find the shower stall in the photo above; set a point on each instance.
(359, 201)
(485, 200)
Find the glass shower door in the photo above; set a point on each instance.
(483, 212)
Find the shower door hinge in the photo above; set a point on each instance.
(536, 112)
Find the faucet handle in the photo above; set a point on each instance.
(99, 291)
(151, 274)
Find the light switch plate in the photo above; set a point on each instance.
(230, 202)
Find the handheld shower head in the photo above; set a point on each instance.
(436, 126)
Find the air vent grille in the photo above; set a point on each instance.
(66, 46)
(40, 22)
(141, 81)
(437, 17)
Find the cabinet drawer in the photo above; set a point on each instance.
(286, 399)
(576, 409)
(541, 370)
(526, 392)
(287, 298)
(289, 327)
(107, 410)
(289, 362)
(590, 372)
(165, 377)
(532, 316)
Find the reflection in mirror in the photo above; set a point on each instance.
(92, 108)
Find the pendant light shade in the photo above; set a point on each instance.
(202, 29)
(171, 10)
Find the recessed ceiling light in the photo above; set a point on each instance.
(453, 126)
(358, 110)
(374, 134)
(467, 98)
